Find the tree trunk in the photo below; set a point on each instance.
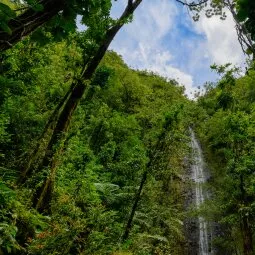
(153, 156)
(134, 207)
(247, 235)
(28, 22)
(37, 154)
(245, 222)
(44, 193)
(243, 34)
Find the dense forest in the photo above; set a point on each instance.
(96, 157)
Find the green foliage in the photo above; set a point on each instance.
(227, 131)
(6, 13)
(33, 81)
(246, 14)
(128, 123)
(113, 135)
(19, 224)
(64, 22)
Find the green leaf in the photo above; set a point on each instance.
(38, 7)
(7, 11)
(9, 249)
(35, 5)
(5, 28)
(241, 15)
(249, 51)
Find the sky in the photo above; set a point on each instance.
(163, 38)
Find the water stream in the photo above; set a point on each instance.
(199, 176)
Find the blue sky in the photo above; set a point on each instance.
(163, 38)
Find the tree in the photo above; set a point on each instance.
(228, 134)
(43, 195)
(246, 15)
(59, 16)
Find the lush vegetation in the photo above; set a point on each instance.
(94, 154)
(226, 124)
(129, 128)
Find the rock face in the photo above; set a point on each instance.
(190, 223)
(198, 230)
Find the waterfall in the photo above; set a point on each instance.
(198, 172)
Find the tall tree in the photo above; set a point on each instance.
(43, 194)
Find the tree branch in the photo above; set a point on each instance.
(136, 3)
(192, 4)
(29, 21)
(130, 2)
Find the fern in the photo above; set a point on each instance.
(155, 238)
(8, 174)
(6, 194)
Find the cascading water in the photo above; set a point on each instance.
(199, 177)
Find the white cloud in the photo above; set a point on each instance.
(140, 43)
(152, 21)
(221, 39)
(156, 41)
(158, 61)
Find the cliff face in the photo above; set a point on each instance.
(198, 231)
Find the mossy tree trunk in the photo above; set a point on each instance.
(43, 194)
